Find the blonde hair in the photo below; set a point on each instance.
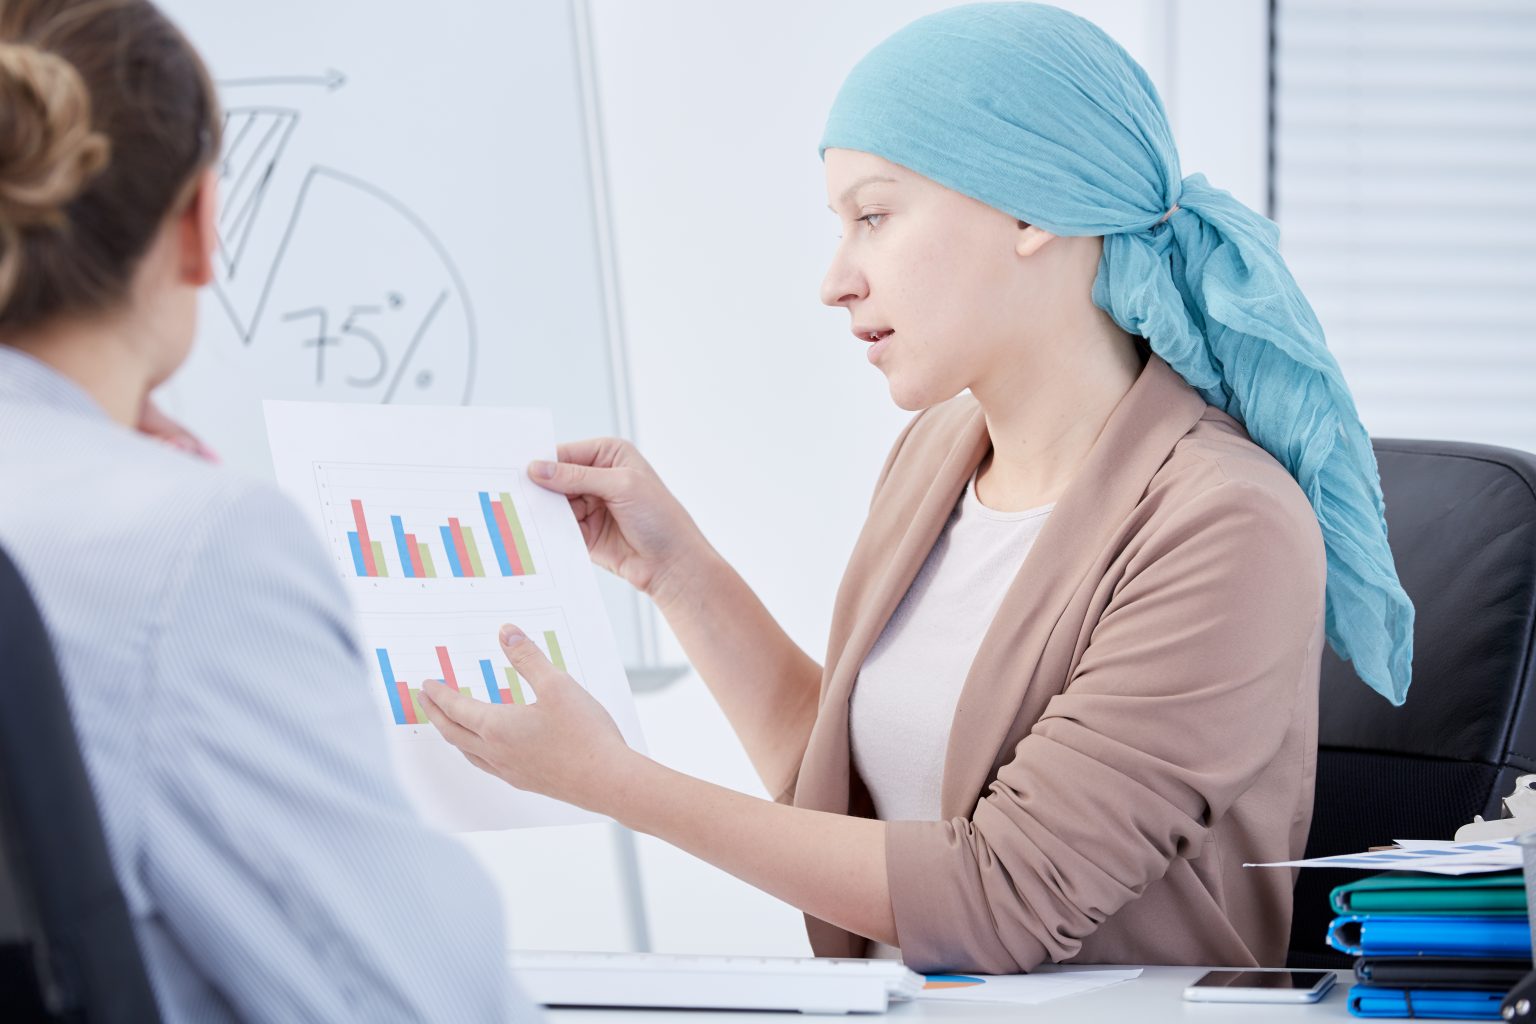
(106, 116)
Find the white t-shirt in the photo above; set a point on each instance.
(904, 700)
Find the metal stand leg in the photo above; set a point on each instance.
(627, 852)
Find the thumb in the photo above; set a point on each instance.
(530, 662)
(574, 480)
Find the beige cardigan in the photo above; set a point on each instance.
(1141, 717)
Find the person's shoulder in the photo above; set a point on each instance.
(173, 498)
(1216, 469)
(250, 556)
(1217, 449)
(154, 505)
(251, 528)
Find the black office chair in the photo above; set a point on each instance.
(67, 948)
(1462, 524)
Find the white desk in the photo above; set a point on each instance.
(1155, 997)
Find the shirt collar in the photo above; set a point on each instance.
(27, 379)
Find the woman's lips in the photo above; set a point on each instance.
(879, 346)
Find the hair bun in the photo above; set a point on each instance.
(49, 151)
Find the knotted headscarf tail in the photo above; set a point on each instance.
(1038, 113)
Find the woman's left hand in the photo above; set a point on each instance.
(565, 745)
(156, 424)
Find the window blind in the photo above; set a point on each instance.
(1405, 190)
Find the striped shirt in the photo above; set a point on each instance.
(271, 866)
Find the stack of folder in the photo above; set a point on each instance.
(1437, 946)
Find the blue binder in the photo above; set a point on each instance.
(1399, 935)
(1365, 1001)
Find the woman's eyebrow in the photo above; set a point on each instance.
(869, 179)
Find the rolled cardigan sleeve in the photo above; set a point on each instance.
(1181, 698)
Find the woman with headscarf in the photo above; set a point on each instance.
(1072, 681)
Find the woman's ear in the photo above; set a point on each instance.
(199, 230)
(1031, 239)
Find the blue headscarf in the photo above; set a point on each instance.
(1038, 113)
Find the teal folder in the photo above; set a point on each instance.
(1407, 892)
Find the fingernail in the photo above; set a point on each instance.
(511, 635)
(543, 470)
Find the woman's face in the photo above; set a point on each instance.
(942, 288)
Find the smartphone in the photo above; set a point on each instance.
(1261, 985)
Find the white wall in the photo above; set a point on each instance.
(753, 400)
(1214, 78)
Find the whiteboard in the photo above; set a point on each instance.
(412, 211)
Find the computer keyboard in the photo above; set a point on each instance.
(806, 984)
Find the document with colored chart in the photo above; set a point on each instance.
(429, 519)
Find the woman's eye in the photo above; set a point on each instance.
(870, 220)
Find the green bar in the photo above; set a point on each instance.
(426, 561)
(517, 534)
(378, 558)
(474, 553)
(554, 649)
(421, 716)
(516, 686)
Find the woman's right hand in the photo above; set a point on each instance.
(632, 524)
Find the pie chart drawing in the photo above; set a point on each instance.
(356, 299)
(255, 139)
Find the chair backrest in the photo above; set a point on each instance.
(67, 946)
(1461, 520)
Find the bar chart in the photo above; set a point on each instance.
(472, 663)
(427, 523)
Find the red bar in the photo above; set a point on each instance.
(458, 546)
(448, 676)
(410, 545)
(405, 702)
(506, 538)
(506, 695)
(363, 539)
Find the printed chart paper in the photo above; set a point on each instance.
(1046, 983)
(433, 527)
(1429, 856)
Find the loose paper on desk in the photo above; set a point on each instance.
(431, 522)
(1430, 856)
(1043, 985)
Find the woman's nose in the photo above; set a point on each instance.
(843, 284)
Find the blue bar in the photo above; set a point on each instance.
(357, 553)
(401, 546)
(453, 552)
(490, 524)
(490, 681)
(390, 685)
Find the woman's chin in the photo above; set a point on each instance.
(915, 399)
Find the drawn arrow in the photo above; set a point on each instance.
(330, 81)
